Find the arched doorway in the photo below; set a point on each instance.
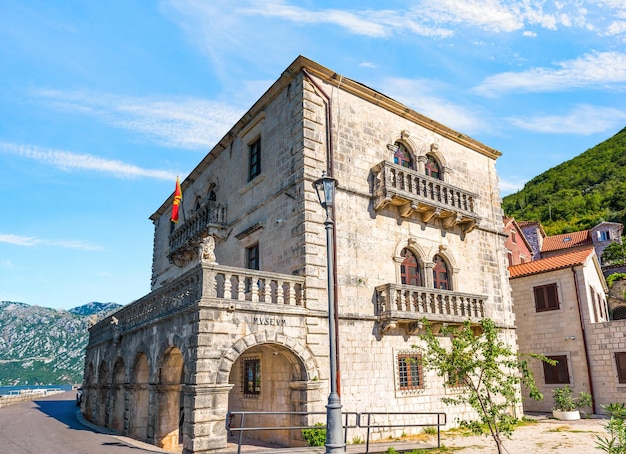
(139, 402)
(117, 396)
(269, 377)
(103, 387)
(170, 400)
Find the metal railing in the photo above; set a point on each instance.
(363, 420)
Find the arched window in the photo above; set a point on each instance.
(402, 156)
(432, 167)
(409, 269)
(441, 278)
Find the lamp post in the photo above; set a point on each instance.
(325, 189)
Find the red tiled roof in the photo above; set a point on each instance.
(557, 262)
(566, 241)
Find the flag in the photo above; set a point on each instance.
(178, 197)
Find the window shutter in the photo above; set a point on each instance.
(553, 297)
(540, 302)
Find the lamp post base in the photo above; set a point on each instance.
(334, 426)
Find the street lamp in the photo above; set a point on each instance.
(325, 189)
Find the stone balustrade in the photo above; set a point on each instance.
(414, 192)
(211, 214)
(407, 303)
(206, 283)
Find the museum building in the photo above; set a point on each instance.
(237, 318)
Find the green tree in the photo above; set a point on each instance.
(490, 372)
(614, 254)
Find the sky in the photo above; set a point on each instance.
(104, 104)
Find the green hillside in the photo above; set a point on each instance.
(577, 194)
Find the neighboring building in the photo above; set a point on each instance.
(518, 249)
(561, 311)
(237, 318)
(534, 234)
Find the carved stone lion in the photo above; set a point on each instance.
(206, 252)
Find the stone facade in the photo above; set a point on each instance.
(577, 329)
(418, 229)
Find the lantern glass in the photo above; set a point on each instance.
(325, 188)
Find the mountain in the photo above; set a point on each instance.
(577, 194)
(43, 345)
(94, 308)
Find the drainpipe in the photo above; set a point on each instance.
(582, 326)
(330, 168)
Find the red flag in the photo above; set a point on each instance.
(178, 197)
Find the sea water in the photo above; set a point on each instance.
(6, 390)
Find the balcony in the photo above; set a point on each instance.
(209, 285)
(433, 199)
(399, 305)
(210, 219)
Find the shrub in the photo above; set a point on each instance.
(316, 435)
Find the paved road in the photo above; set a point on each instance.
(49, 426)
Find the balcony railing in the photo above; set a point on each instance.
(210, 218)
(414, 192)
(408, 305)
(223, 287)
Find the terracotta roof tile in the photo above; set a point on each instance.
(566, 241)
(565, 260)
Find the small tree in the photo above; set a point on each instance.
(614, 254)
(489, 371)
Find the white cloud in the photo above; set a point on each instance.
(583, 120)
(28, 241)
(7, 264)
(419, 95)
(68, 161)
(590, 70)
(177, 123)
(510, 186)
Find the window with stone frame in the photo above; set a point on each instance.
(455, 380)
(546, 298)
(254, 160)
(410, 272)
(251, 380)
(558, 374)
(441, 276)
(410, 371)
(620, 364)
(402, 156)
(432, 167)
(252, 257)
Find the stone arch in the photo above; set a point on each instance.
(118, 397)
(453, 268)
(231, 354)
(139, 397)
(412, 148)
(419, 252)
(270, 373)
(170, 402)
(102, 393)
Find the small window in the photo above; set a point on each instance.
(556, 375)
(546, 298)
(620, 362)
(509, 256)
(254, 167)
(513, 236)
(251, 377)
(432, 167)
(604, 235)
(455, 380)
(409, 372)
(252, 257)
(440, 274)
(409, 269)
(402, 156)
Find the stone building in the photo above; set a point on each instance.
(237, 317)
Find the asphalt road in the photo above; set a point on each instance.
(49, 426)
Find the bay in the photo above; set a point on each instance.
(6, 390)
